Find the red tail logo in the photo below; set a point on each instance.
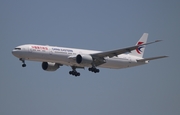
(139, 48)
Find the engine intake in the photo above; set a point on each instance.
(84, 59)
(48, 66)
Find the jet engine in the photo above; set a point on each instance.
(84, 59)
(48, 66)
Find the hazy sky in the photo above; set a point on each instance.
(152, 89)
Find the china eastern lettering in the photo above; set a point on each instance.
(66, 50)
(62, 50)
(56, 49)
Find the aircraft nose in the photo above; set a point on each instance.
(16, 51)
(13, 52)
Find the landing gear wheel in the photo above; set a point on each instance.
(77, 74)
(97, 71)
(24, 65)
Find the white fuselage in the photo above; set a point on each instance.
(61, 55)
(52, 57)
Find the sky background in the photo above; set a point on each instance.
(152, 89)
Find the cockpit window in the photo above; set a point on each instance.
(17, 48)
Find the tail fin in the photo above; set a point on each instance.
(140, 50)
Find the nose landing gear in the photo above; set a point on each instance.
(23, 65)
(23, 61)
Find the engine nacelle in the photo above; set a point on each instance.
(48, 66)
(84, 59)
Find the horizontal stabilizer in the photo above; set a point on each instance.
(152, 58)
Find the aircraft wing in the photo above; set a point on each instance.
(99, 57)
(117, 52)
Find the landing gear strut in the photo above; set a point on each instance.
(74, 72)
(23, 61)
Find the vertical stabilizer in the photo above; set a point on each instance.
(140, 50)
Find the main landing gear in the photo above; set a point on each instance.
(74, 72)
(23, 61)
(93, 69)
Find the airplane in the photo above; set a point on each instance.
(52, 57)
